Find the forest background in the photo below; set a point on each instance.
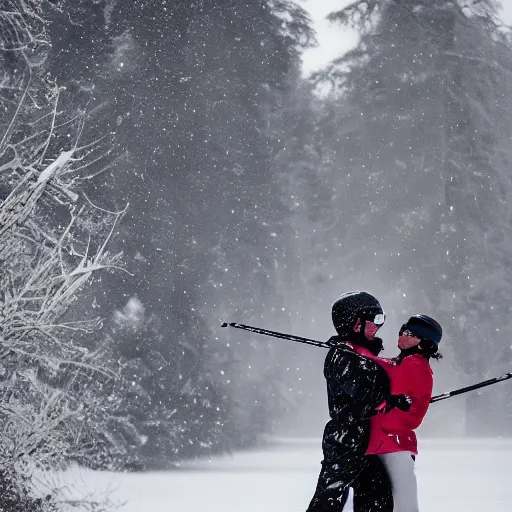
(181, 156)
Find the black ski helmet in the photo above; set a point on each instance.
(353, 305)
(424, 327)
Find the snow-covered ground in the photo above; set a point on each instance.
(454, 475)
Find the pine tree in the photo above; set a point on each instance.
(421, 128)
(188, 88)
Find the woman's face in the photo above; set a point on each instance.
(406, 340)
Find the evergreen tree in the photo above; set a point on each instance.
(420, 127)
(188, 88)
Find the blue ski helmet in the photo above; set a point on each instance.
(353, 305)
(424, 327)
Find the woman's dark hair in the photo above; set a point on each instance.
(429, 349)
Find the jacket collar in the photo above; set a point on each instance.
(375, 346)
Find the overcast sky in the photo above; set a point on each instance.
(333, 40)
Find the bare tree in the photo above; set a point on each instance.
(52, 239)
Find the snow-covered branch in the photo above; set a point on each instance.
(52, 240)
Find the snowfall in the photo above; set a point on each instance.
(453, 475)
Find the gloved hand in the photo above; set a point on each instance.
(402, 402)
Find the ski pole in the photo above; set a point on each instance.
(316, 343)
(456, 392)
(275, 334)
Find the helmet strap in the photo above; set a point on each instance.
(361, 333)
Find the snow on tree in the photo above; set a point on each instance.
(420, 122)
(52, 239)
(206, 230)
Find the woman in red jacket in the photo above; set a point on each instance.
(392, 435)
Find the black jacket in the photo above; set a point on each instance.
(356, 385)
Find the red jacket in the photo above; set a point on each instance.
(394, 431)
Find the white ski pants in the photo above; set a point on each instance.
(400, 467)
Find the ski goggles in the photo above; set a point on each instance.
(420, 331)
(404, 331)
(377, 319)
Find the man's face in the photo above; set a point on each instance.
(370, 329)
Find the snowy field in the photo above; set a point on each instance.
(454, 475)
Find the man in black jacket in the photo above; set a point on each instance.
(356, 387)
